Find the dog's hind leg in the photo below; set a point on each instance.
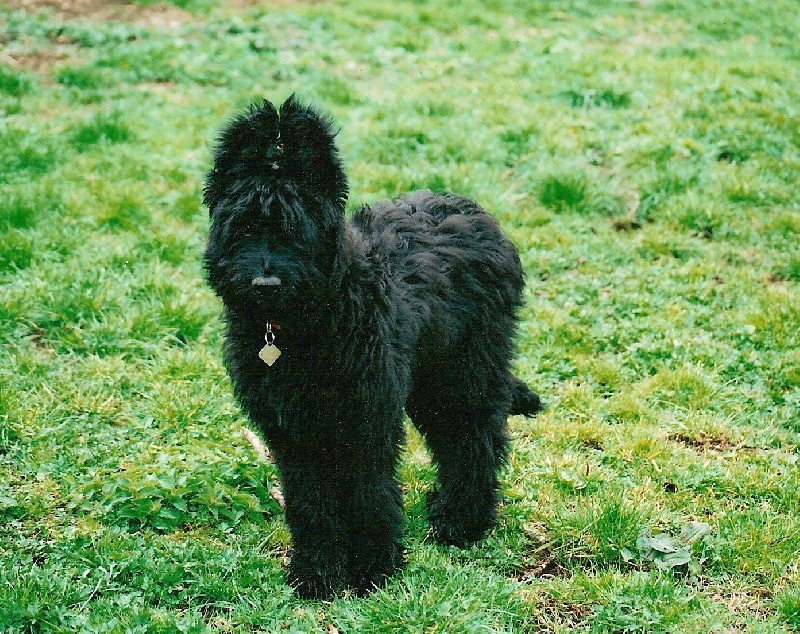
(466, 432)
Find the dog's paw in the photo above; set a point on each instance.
(457, 526)
(365, 579)
(313, 583)
(454, 533)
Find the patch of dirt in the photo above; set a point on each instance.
(33, 62)
(778, 278)
(592, 443)
(539, 562)
(755, 602)
(544, 567)
(705, 442)
(158, 15)
(553, 615)
(243, 5)
(626, 224)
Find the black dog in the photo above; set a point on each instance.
(333, 327)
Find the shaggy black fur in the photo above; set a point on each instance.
(411, 304)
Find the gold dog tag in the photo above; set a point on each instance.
(269, 354)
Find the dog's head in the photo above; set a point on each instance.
(276, 195)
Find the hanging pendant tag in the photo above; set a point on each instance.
(269, 354)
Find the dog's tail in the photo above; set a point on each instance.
(524, 400)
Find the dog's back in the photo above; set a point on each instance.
(445, 251)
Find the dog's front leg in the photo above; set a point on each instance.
(374, 502)
(375, 549)
(319, 536)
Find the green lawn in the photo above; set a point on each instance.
(643, 156)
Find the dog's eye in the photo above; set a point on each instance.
(250, 229)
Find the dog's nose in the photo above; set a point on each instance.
(272, 281)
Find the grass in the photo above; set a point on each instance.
(642, 156)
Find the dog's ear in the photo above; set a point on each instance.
(241, 149)
(310, 150)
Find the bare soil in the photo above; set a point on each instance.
(160, 14)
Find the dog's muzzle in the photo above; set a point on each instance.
(269, 282)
